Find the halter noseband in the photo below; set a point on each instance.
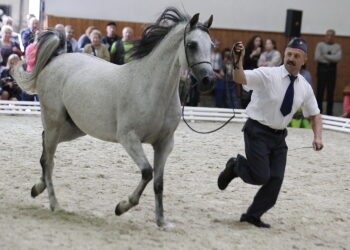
(188, 62)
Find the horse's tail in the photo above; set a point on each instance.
(50, 44)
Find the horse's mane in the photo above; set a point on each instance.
(155, 33)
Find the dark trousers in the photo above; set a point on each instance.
(326, 77)
(266, 152)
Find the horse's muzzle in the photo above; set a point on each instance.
(207, 83)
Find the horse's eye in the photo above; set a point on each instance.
(192, 45)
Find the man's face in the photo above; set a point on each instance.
(111, 30)
(70, 33)
(34, 25)
(294, 59)
(329, 37)
(127, 34)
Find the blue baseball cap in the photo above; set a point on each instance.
(298, 43)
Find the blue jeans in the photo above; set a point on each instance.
(27, 97)
(225, 94)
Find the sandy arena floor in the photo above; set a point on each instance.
(92, 176)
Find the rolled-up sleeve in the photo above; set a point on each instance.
(309, 105)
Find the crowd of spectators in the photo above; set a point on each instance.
(16, 46)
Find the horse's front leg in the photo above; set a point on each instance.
(133, 146)
(162, 149)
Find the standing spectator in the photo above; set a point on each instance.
(7, 20)
(253, 52)
(95, 47)
(229, 96)
(327, 54)
(120, 48)
(84, 38)
(7, 46)
(111, 36)
(306, 74)
(271, 57)
(184, 86)
(251, 58)
(28, 34)
(72, 44)
(218, 66)
(9, 89)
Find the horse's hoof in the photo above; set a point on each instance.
(164, 224)
(118, 212)
(33, 192)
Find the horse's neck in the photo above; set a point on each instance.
(166, 55)
(166, 59)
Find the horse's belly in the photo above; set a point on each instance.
(94, 119)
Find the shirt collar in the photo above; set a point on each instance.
(285, 73)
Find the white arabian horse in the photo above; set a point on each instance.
(131, 104)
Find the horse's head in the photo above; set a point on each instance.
(197, 45)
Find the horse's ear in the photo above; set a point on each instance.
(194, 20)
(209, 22)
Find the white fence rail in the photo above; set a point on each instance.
(19, 108)
(336, 123)
(191, 114)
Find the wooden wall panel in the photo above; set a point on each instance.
(228, 37)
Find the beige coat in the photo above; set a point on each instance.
(101, 51)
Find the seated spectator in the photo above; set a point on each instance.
(31, 53)
(111, 36)
(28, 34)
(271, 57)
(8, 47)
(120, 48)
(72, 44)
(96, 48)
(7, 20)
(346, 102)
(9, 90)
(84, 38)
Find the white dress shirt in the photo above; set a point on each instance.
(269, 85)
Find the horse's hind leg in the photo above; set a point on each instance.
(40, 187)
(162, 149)
(133, 146)
(51, 140)
(68, 132)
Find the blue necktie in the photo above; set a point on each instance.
(287, 103)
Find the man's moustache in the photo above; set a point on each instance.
(291, 63)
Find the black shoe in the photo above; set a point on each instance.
(228, 174)
(253, 220)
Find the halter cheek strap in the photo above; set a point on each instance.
(186, 53)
